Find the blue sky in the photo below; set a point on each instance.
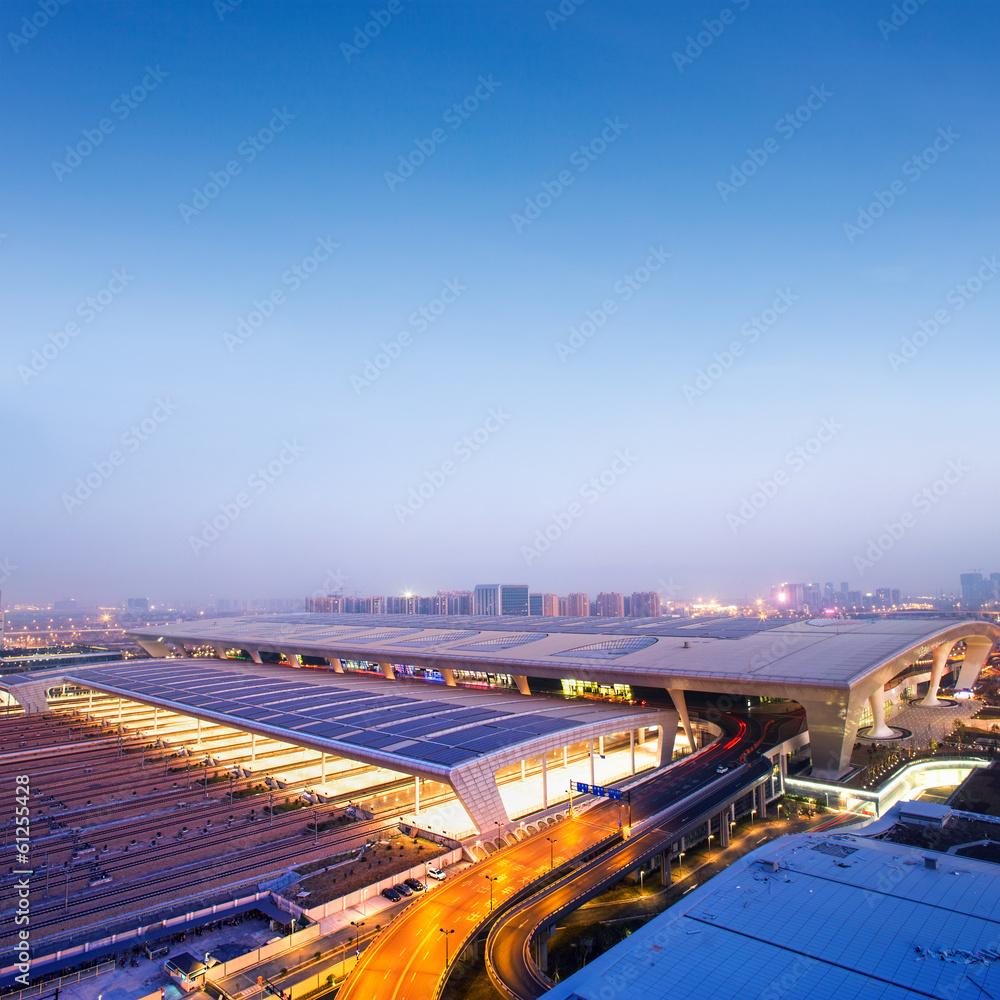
(659, 180)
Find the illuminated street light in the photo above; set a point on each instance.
(552, 844)
(358, 924)
(491, 879)
(446, 933)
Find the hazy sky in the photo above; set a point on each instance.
(291, 235)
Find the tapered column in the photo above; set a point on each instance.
(254, 654)
(977, 649)
(293, 659)
(416, 795)
(338, 667)
(939, 662)
(879, 730)
(322, 768)
(522, 683)
(677, 697)
(631, 747)
(253, 748)
(386, 669)
(449, 677)
(592, 781)
(545, 782)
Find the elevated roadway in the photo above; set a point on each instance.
(411, 958)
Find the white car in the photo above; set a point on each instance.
(721, 769)
(436, 873)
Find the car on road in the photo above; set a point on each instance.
(391, 894)
(436, 873)
(721, 769)
(403, 889)
(414, 884)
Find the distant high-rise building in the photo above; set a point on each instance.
(610, 605)
(137, 604)
(578, 605)
(976, 591)
(645, 604)
(501, 599)
(544, 605)
(563, 606)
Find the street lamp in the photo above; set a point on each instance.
(552, 844)
(710, 847)
(680, 865)
(358, 924)
(446, 933)
(491, 879)
(642, 875)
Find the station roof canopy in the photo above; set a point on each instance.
(756, 653)
(407, 727)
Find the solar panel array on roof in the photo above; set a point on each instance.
(717, 628)
(433, 640)
(501, 642)
(610, 648)
(436, 732)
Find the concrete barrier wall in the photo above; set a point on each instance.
(263, 953)
(360, 895)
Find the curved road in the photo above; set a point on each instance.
(408, 960)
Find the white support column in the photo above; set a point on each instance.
(977, 649)
(449, 677)
(545, 782)
(119, 711)
(677, 697)
(90, 705)
(522, 683)
(338, 667)
(566, 757)
(322, 767)
(220, 652)
(416, 795)
(631, 747)
(254, 655)
(592, 781)
(601, 746)
(523, 763)
(293, 659)
(156, 718)
(939, 663)
(386, 669)
(642, 735)
(253, 748)
(879, 730)
(199, 733)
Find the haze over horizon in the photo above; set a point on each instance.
(393, 310)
